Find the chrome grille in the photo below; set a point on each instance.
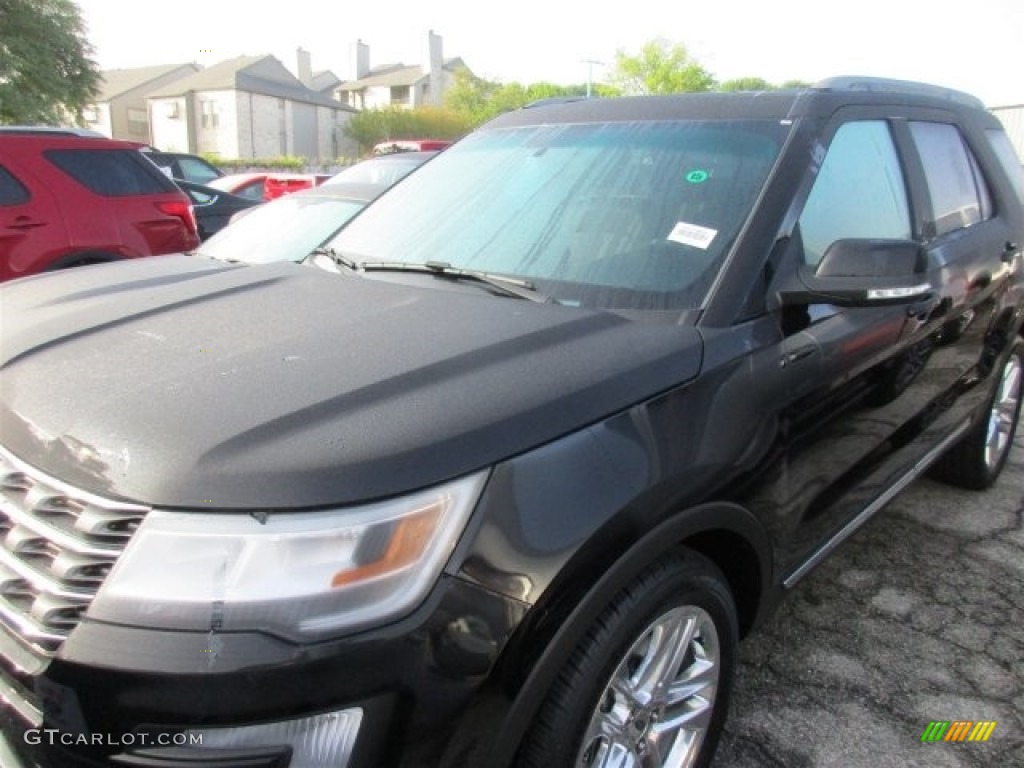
(57, 545)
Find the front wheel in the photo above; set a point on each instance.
(976, 461)
(648, 685)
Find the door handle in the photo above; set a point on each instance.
(797, 354)
(24, 223)
(1009, 251)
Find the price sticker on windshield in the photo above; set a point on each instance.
(692, 235)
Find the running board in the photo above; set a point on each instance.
(869, 511)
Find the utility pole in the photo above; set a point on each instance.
(590, 72)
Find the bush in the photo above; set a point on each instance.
(372, 126)
(289, 163)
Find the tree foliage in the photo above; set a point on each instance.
(758, 84)
(372, 126)
(746, 84)
(47, 74)
(660, 67)
(479, 100)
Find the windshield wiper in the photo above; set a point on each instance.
(336, 256)
(507, 286)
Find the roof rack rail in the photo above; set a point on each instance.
(50, 130)
(887, 85)
(554, 100)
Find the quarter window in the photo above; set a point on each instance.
(110, 172)
(959, 196)
(12, 192)
(1008, 159)
(859, 191)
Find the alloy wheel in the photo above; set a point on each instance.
(658, 705)
(1003, 413)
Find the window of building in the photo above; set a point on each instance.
(138, 120)
(210, 116)
(400, 94)
(282, 121)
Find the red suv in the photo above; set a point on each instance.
(68, 199)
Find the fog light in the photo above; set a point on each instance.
(320, 741)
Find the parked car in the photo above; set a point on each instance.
(181, 165)
(213, 208)
(501, 477)
(410, 145)
(290, 228)
(383, 171)
(68, 199)
(279, 184)
(247, 185)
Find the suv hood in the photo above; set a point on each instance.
(180, 382)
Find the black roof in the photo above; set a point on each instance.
(819, 100)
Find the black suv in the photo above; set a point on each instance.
(501, 474)
(179, 165)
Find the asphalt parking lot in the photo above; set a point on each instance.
(919, 617)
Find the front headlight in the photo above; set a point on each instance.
(302, 576)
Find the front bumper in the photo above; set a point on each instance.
(409, 681)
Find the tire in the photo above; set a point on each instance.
(613, 705)
(977, 459)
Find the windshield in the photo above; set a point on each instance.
(286, 229)
(621, 215)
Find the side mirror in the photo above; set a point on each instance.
(861, 273)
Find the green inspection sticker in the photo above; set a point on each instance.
(697, 177)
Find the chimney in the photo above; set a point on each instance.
(433, 67)
(360, 60)
(305, 67)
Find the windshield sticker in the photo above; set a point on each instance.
(693, 235)
(697, 176)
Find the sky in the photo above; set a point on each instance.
(973, 46)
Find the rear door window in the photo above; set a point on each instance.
(111, 172)
(958, 193)
(12, 191)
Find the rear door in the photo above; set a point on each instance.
(966, 236)
(152, 215)
(32, 230)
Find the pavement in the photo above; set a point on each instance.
(918, 617)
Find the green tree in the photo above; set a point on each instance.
(479, 100)
(372, 126)
(47, 74)
(660, 67)
(471, 97)
(759, 84)
(746, 84)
